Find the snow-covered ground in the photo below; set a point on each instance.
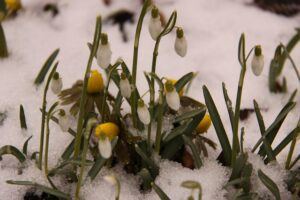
(212, 29)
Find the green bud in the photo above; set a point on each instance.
(257, 50)
(154, 12)
(169, 86)
(179, 32)
(104, 38)
(123, 76)
(62, 112)
(141, 103)
(56, 76)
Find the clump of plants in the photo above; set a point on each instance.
(139, 139)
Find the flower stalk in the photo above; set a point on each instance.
(84, 90)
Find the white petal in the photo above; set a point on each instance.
(110, 179)
(181, 46)
(155, 27)
(64, 123)
(173, 100)
(125, 88)
(257, 64)
(104, 146)
(56, 86)
(143, 114)
(104, 55)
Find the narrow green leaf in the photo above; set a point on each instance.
(3, 45)
(238, 166)
(259, 117)
(195, 152)
(45, 189)
(241, 50)
(162, 195)
(22, 118)
(47, 65)
(216, 120)
(269, 183)
(26, 145)
(228, 103)
(153, 168)
(293, 95)
(183, 81)
(8, 149)
(99, 163)
(170, 24)
(176, 132)
(68, 151)
(188, 115)
(294, 162)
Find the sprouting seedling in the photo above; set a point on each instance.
(193, 186)
(114, 181)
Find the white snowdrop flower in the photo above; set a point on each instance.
(257, 63)
(56, 83)
(172, 96)
(104, 52)
(104, 146)
(110, 179)
(180, 43)
(64, 121)
(155, 26)
(143, 112)
(125, 86)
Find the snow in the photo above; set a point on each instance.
(212, 29)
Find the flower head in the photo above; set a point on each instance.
(125, 86)
(155, 26)
(95, 82)
(13, 5)
(56, 83)
(180, 43)
(143, 112)
(64, 121)
(174, 82)
(104, 52)
(257, 63)
(106, 132)
(204, 124)
(172, 96)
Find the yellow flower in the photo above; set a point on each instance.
(95, 82)
(108, 129)
(13, 4)
(204, 125)
(173, 81)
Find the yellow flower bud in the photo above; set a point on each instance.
(13, 4)
(95, 82)
(173, 81)
(108, 129)
(204, 125)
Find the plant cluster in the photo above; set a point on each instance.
(138, 140)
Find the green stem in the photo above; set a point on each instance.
(84, 93)
(235, 140)
(44, 116)
(91, 123)
(133, 99)
(292, 61)
(3, 45)
(159, 122)
(49, 115)
(291, 151)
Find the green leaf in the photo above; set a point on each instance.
(162, 195)
(176, 132)
(238, 166)
(68, 151)
(3, 45)
(26, 145)
(216, 120)
(152, 167)
(228, 103)
(269, 183)
(293, 95)
(183, 81)
(241, 50)
(43, 188)
(272, 131)
(195, 152)
(22, 118)
(47, 65)
(8, 149)
(146, 177)
(170, 24)
(188, 115)
(259, 117)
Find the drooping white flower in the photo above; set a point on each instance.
(155, 26)
(56, 83)
(180, 43)
(257, 63)
(104, 52)
(104, 146)
(64, 121)
(125, 86)
(143, 112)
(172, 96)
